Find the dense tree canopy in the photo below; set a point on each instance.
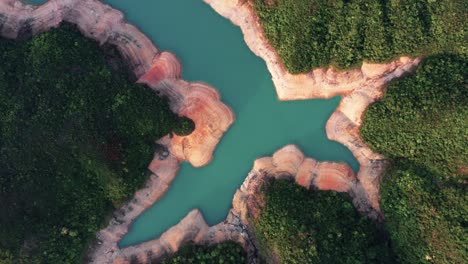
(301, 226)
(315, 33)
(421, 125)
(224, 253)
(76, 137)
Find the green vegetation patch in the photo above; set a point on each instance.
(227, 253)
(421, 124)
(300, 226)
(315, 33)
(76, 138)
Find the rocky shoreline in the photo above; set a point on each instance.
(344, 124)
(159, 70)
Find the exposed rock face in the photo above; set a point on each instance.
(202, 104)
(190, 229)
(318, 83)
(161, 71)
(359, 88)
(344, 124)
(290, 163)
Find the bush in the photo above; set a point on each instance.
(184, 126)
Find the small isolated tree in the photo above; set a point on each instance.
(184, 126)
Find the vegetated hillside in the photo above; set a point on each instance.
(227, 253)
(317, 33)
(421, 125)
(76, 137)
(296, 225)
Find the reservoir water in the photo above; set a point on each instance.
(212, 50)
(36, 2)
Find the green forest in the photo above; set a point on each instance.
(300, 226)
(223, 253)
(421, 125)
(317, 33)
(76, 137)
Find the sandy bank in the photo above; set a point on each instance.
(160, 70)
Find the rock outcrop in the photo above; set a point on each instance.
(318, 83)
(290, 163)
(192, 228)
(344, 124)
(159, 70)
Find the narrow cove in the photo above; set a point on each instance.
(212, 50)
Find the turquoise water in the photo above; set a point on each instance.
(36, 2)
(212, 50)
